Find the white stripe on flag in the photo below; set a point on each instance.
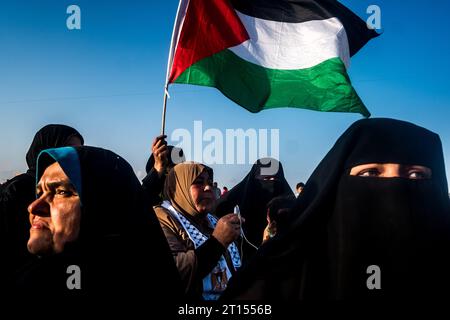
(292, 46)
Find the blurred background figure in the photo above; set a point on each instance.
(299, 188)
(216, 190)
(252, 195)
(224, 190)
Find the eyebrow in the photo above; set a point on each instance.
(56, 184)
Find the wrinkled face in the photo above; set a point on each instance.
(55, 216)
(202, 194)
(391, 170)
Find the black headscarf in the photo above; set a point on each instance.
(252, 195)
(50, 136)
(343, 224)
(121, 249)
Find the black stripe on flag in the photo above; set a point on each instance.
(306, 10)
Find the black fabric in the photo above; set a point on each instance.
(207, 256)
(121, 249)
(296, 11)
(393, 224)
(343, 224)
(50, 136)
(153, 185)
(252, 195)
(15, 197)
(19, 192)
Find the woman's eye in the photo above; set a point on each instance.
(373, 172)
(416, 175)
(63, 192)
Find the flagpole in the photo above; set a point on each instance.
(182, 5)
(163, 120)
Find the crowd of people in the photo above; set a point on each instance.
(377, 201)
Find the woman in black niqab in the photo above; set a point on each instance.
(342, 225)
(264, 182)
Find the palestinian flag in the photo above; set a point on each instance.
(266, 54)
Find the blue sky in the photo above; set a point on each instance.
(107, 81)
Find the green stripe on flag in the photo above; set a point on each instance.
(324, 87)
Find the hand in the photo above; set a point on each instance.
(160, 153)
(270, 231)
(228, 229)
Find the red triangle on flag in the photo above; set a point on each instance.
(209, 27)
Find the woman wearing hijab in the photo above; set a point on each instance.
(264, 182)
(89, 213)
(373, 222)
(17, 193)
(202, 245)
